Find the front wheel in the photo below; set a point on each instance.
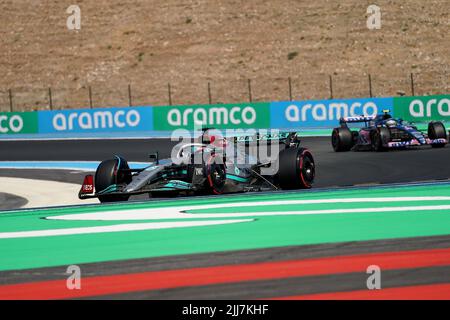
(296, 169)
(436, 130)
(109, 174)
(380, 138)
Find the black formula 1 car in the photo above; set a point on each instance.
(383, 132)
(214, 165)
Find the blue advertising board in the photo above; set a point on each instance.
(144, 121)
(128, 119)
(323, 113)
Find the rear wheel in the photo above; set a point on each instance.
(111, 172)
(436, 130)
(296, 169)
(380, 138)
(342, 139)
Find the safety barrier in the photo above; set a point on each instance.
(124, 121)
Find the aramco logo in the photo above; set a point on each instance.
(96, 120)
(419, 108)
(331, 111)
(11, 123)
(211, 116)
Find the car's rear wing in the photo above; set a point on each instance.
(356, 119)
(258, 137)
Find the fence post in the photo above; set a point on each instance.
(331, 87)
(50, 100)
(290, 89)
(370, 85)
(10, 101)
(90, 97)
(250, 98)
(209, 93)
(412, 85)
(170, 93)
(130, 104)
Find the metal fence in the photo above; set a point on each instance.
(319, 86)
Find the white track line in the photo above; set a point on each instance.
(116, 228)
(179, 212)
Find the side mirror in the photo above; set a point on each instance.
(154, 157)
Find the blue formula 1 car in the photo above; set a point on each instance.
(383, 132)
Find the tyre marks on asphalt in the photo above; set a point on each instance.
(9, 201)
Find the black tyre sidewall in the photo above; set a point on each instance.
(436, 130)
(342, 139)
(306, 157)
(108, 174)
(377, 138)
(291, 163)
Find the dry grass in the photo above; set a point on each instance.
(191, 43)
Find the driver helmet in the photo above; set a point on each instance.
(391, 123)
(213, 137)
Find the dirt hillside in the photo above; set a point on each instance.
(225, 42)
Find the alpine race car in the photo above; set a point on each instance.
(214, 165)
(383, 132)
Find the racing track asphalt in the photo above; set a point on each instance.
(333, 169)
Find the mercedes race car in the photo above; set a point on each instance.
(213, 165)
(383, 132)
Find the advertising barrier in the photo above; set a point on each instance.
(323, 113)
(18, 122)
(222, 116)
(129, 119)
(147, 121)
(423, 109)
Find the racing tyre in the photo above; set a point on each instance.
(436, 130)
(342, 139)
(215, 173)
(296, 169)
(380, 138)
(111, 172)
